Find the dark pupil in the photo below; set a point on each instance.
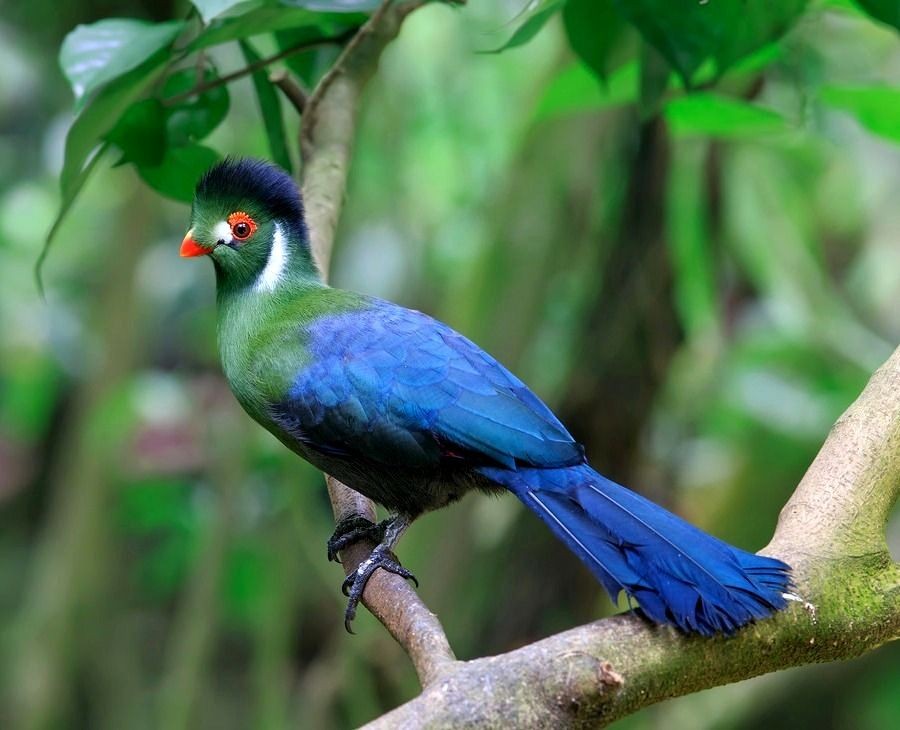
(241, 230)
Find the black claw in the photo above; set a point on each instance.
(349, 615)
(352, 530)
(348, 581)
(355, 583)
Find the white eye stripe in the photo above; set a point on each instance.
(222, 232)
(276, 263)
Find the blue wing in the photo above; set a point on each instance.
(393, 385)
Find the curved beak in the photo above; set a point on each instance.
(189, 247)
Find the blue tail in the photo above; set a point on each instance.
(677, 573)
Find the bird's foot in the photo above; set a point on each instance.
(351, 530)
(355, 583)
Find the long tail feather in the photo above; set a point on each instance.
(677, 573)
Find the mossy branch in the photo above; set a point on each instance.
(832, 531)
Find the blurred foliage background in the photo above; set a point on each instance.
(698, 284)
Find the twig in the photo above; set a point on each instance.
(295, 93)
(256, 66)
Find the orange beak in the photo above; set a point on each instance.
(189, 247)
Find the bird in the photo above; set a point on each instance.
(410, 413)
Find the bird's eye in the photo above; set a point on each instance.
(242, 225)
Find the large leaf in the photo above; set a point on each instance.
(593, 27)
(336, 6)
(887, 11)
(67, 200)
(194, 118)
(270, 106)
(711, 115)
(877, 108)
(534, 21)
(140, 133)
(86, 133)
(101, 115)
(210, 9)
(689, 33)
(93, 55)
(271, 18)
(180, 170)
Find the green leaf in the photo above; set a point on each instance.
(86, 134)
(93, 55)
(271, 18)
(712, 115)
(593, 27)
(877, 108)
(100, 116)
(180, 170)
(270, 106)
(576, 89)
(689, 33)
(140, 133)
(194, 118)
(69, 194)
(534, 21)
(887, 11)
(211, 9)
(336, 6)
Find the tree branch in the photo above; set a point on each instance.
(326, 142)
(294, 92)
(832, 531)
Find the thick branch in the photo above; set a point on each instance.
(326, 141)
(831, 531)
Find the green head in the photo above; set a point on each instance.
(247, 217)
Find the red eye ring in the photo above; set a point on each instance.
(242, 225)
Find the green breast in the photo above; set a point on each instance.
(263, 339)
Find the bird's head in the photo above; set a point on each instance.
(248, 217)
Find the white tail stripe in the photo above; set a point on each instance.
(576, 540)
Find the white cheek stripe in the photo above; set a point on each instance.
(222, 231)
(271, 275)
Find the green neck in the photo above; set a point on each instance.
(258, 299)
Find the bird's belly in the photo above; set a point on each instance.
(401, 489)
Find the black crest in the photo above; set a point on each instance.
(249, 179)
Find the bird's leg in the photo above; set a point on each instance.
(353, 529)
(382, 557)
